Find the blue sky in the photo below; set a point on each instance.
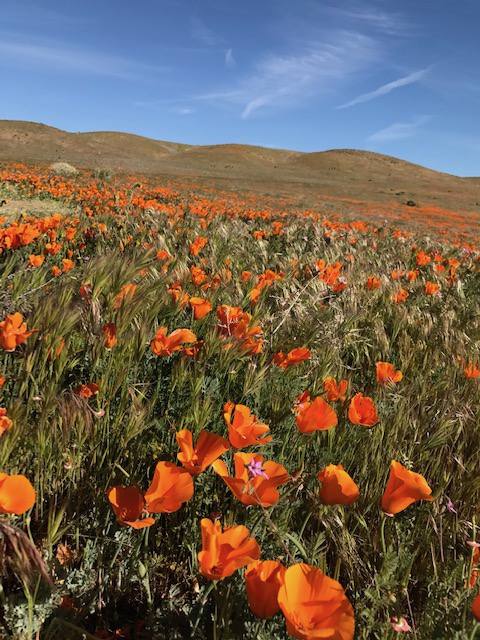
(396, 76)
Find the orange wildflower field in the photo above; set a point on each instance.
(224, 416)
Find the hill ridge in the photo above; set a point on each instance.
(349, 173)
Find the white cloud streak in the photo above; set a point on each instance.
(56, 57)
(399, 130)
(184, 111)
(30, 13)
(229, 59)
(202, 33)
(387, 22)
(385, 89)
(288, 80)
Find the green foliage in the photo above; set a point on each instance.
(74, 450)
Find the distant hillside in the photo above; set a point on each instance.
(344, 173)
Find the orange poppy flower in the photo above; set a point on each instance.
(423, 259)
(472, 371)
(56, 271)
(128, 504)
(170, 488)
(197, 245)
(265, 280)
(52, 248)
(295, 356)
(87, 390)
(335, 390)
(255, 481)
(163, 256)
(196, 459)
(223, 552)
(198, 276)
(314, 605)
(165, 345)
(387, 374)
(13, 332)
(70, 233)
(85, 290)
(411, 275)
(263, 580)
(243, 428)
(337, 486)
(125, 295)
(230, 319)
(373, 283)
(254, 295)
(403, 488)
(200, 307)
(67, 265)
(330, 274)
(252, 341)
(179, 296)
(5, 422)
(16, 494)
(236, 323)
(400, 296)
(193, 350)
(277, 228)
(476, 608)
(396, 274)
(431, 288)
(245, 276)
(109, 331)
(2, 381)
(474, 564)
(362, 411)
(314, 415)
(36, 260)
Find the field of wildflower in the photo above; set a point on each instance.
(226, 419)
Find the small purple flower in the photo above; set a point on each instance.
(255, 469)
(450, 506)
(400, 625)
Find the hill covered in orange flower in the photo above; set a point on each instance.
(337, 176)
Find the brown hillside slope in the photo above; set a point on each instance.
(337, 173)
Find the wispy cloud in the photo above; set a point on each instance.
(393, 23)
(26, 13)
(229, 59)
(57, 57)
(412, 78)
(202, 33)
(289, 79)
(399, 130)
(184, 111)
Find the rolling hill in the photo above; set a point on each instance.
(342, 173)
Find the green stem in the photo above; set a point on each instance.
(382, 534)
(215, 617)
